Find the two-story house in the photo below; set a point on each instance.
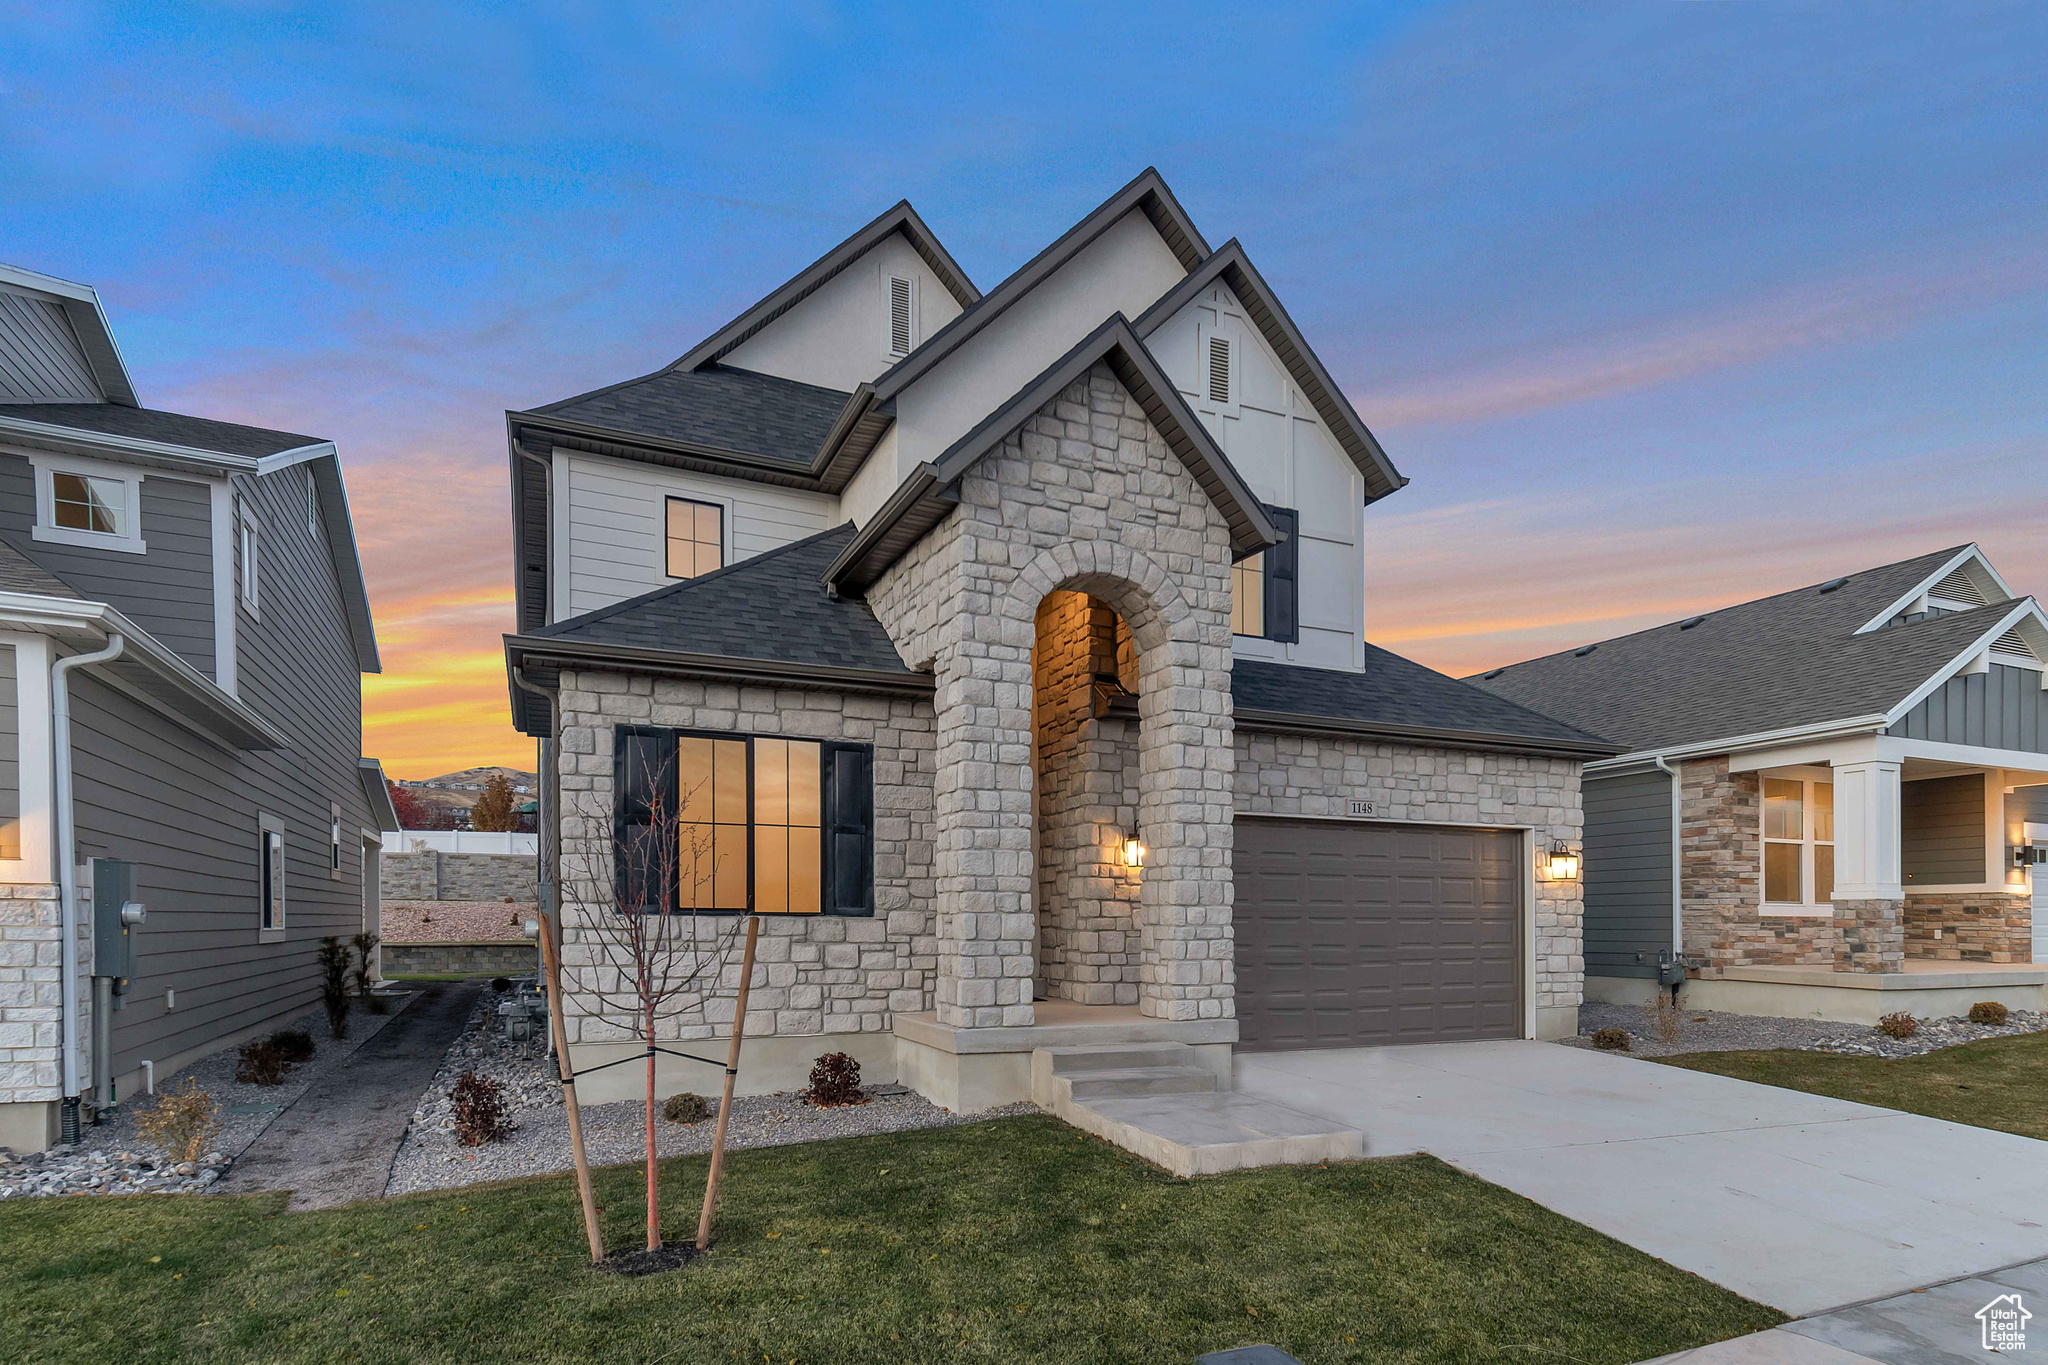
(1010, 647)
(183, 626)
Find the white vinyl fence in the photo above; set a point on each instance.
(467, 841)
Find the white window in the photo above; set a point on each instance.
(902, 331)
(334, 845)
(269, 879)
(251, 556)
(90, 503)
(1799, 844)
(1248, 595)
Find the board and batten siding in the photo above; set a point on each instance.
(185, 809)
(2004, 708)
(1627, 870)
(611, 520)
(1277, 442)
(10, 757)
(1941, 831)
(40, 358)
(168, 591)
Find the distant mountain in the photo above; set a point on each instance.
(452, 794)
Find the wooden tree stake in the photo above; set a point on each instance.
(551, 961)
(732, 1066)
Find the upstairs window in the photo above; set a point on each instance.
(1264, 596)
(902, 336)
(82, 503)
(696, 538)
(250, 552)
(88, 503)
(1248, 596)
(1799, 842)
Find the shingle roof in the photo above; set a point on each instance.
(768, 609)
(1395, 695)
(18, 573)
(171, 428)
(1776, 663)
(717, 408)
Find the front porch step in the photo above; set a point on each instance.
(1112, 1083)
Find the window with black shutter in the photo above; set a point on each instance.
(1283, 561)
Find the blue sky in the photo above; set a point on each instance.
(1659, 305)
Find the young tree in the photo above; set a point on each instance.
(411, 810)
(497, 808)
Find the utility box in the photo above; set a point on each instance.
(116, 915)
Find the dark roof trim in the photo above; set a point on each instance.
(1148, 193)
(899, 218)
(543, 657)
(378, 795)
(1234, 267)
(1287, 722)
(922, 501)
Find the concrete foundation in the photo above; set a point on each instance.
(1850, 997)
(967, 1070)
(768, 1065)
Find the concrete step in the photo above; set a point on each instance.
(1112, 1083)
(1208, 1134)
(1069, 1061)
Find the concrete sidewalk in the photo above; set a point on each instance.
(336, 1143)
(1795, 1200)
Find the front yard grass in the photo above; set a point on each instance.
(1998, 1083)
(1010, 1241)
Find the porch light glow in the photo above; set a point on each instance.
(1564, 864)
(1134, 852)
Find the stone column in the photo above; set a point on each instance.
(1870, 897)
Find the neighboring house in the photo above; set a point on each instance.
(1856, 764)
(927, 604)
(190, 589)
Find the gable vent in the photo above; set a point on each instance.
(2011, 643)
(899, 316)
(1219, 369)
(1959, 587)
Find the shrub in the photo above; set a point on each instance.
(1611, 1039)
(184, 1122)
(1664, 1018)
(480, 1115)
(295, 1044)
(366, 945)
(1898, 1024)
(334, 984)
(835, 1079)
(260, 1063)
(686, 1108)
(1988, 1012)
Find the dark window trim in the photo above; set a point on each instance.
(718, 507)
(1283, 578)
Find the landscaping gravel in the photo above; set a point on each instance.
(431, 1158)
(455, 921)
(1711, 1031)
(114, 1159)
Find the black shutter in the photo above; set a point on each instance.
(849, 783)
(644, 777)
(1283, 597)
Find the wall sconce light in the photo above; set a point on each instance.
(1564, 863)
(1134, 851)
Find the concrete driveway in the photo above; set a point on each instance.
(1797, 1201)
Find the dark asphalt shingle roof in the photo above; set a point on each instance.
(771, 608)
(18, 573)
(171, 428)
(1393, 691)
(1778, 662)
(718, 407)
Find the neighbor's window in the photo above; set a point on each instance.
(1799, 841)
(1248, 595)
(334, 844)
(696, 542)
(79, 502)
(252, 560)
(270, 877)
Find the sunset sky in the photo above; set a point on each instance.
(1660, 306)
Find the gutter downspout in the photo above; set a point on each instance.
(1677, 848)
(67, 872)
(545, 821)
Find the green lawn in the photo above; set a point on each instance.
(1016, 1240)
(2000, 1083)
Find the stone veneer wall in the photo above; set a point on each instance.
(1087, 901)
(31, 1007)
(1320, 776)
(813, 973)
(431, 875)
(1721, 852)
(1086, 496)
(1976, 926)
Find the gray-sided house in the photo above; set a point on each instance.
(183, 627)
(1035, 620)
(1826, 796)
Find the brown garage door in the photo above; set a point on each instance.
(1351, 935)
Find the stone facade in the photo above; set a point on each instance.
(473, 959)
(431, 875)
(1868, 936)
(1319, 776)
(1721, 852)
(1086, 496)
(813, 973)
(31, 978)
(1970, 926)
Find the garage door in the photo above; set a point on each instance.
(1353, 935)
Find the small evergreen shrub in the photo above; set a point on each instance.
(258, 1063)
(295, 1044)
(835, 1080)
(1988, 1012)
(184, 1122)
(686, 1108)
(366, 947)
(1898, 1024)
(334, 983)
(1611, 1039)
(480, 1115)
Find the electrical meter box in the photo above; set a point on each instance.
(116, 915)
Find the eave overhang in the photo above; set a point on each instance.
(378, 793)
(1294, 723)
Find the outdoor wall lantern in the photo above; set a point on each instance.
(1134, 851)
(1564, 864)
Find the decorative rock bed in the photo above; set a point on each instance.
(1709, 1031)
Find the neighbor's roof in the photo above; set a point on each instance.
(717, 411)
(166, 428)
(1778, 663)
(767, 619)
(1398, 699)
